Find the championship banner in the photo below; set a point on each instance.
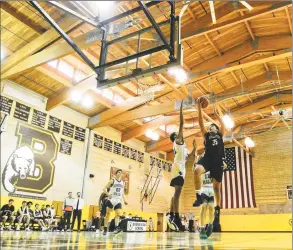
(125, 178)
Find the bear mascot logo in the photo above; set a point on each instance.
(30, 168)
(21, 163)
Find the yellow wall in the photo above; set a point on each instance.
(257, 222)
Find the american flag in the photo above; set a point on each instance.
(237, 184)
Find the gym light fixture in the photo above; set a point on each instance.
(152, 135)
(155, 136)
(2, 53)
(247, 5)
(178, 73)
(212, 8)
(249, 142)
(229, 123)
(87, 102)
(76, 96)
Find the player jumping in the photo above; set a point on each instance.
(212, 160)
(116, 194)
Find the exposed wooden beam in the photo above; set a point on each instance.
(108, 116)
(213, 45)
(263, 106)
(188, 30)
(55, 75)
(266, 67)
(138, 113)
(88, 83)
(22, 18)
(248, 27)
(265, 102)
(191, 13)
(165, 109)
(167, 143)
(154, 124)
(264, 44)
(38, 43)
(252, 83)
(192, 30)
(289, 19)
(126, 90)
(179, 94)
(184, 89)
(52, 53)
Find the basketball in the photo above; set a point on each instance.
(204, 101)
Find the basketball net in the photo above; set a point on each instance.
(147, 90)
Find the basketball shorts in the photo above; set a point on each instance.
(207, 194)
(214, 165)
(177, 181)
(104, 209)
(178, 174)
(114, 203)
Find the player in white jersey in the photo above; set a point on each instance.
(116, 195)
(181, 160)
(207, 199)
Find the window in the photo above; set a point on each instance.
(53, 64)
(108, 94)
(118, 98)
(66, 69)
(79, 76)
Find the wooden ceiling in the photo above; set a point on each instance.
(244, 60)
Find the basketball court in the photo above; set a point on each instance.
(239, 241)
(104, 103)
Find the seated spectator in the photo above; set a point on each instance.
(186, 225)
(196, 225)
(96, 220)
(30, 211)
(53, 211)
(123, 216)
(43, 208)
(38, 217)
(7, 215)
(151, 225)
(23, 216)
(49, 218)
(129, 216)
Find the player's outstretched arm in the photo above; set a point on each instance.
(222, 125)
(124, 199)
(200, 118)
(179, 139)
(110, 183)
(192, 157)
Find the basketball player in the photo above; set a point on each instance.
(116, 194)
(212, 159)
(6, 214)
(103, 208)
(178, 172)
(207, 199)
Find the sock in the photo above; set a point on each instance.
(198, 193)
(105, 229)
(176, 215)
(171, 215)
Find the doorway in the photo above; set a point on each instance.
(160, 222)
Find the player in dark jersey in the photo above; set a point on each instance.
(103, 209)
(212, 159)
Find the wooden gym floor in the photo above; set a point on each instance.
(90, 240)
